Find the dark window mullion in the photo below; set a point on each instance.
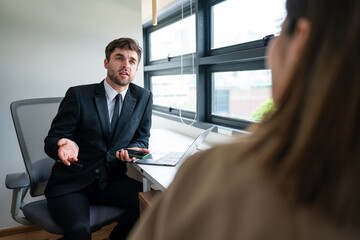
(229, 122)
(243, 66)
(174, 111)
(248, 55)
(202, 48)
(171, 59)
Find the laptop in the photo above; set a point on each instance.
(174, 158)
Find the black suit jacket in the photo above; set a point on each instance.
(83, 117)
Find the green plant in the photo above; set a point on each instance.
(267, 107)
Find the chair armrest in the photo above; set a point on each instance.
(17, 180)
(19, 183)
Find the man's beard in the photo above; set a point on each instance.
(115, 79)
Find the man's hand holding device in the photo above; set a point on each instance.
(131, 154)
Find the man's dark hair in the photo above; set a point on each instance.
(125, 44)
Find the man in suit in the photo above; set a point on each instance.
(94, 122)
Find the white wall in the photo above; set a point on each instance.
(46, 46)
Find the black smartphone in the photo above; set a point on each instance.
(74, 164)
(77, 165)
(136, 154)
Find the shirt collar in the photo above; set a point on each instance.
(111, 93)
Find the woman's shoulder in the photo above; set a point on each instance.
(224, 185)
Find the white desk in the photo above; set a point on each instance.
(162, 176)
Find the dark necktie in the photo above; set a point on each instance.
(115, 116)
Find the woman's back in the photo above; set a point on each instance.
(297, 175)
(223, 199)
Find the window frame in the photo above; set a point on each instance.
(243, 56)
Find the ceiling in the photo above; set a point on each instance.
(146, 7)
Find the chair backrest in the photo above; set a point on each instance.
(32, 119)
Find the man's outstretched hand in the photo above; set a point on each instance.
(68, 151)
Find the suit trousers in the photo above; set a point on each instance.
(71, 211)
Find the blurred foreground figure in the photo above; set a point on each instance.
(297, 175)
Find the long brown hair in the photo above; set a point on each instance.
(311, 145)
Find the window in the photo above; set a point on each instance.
(238, 94)
(207, 57)
(235, 21)
(175, 91)
(173, 40)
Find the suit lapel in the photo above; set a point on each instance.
(126, 112)
(102, 109)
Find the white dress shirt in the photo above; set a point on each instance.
(110, 94)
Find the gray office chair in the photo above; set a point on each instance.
(32, 119)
